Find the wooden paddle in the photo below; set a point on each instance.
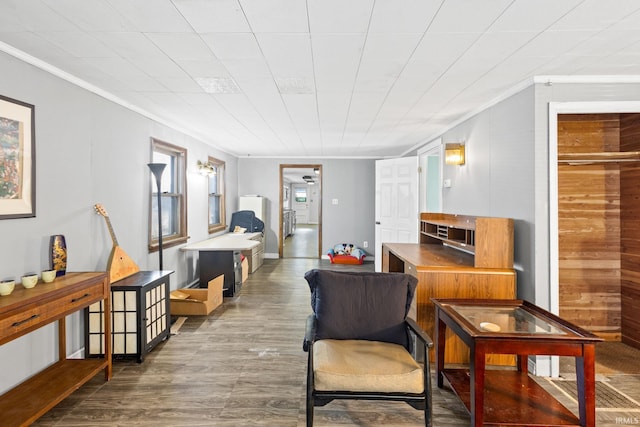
(120, 265)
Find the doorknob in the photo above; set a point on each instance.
(377, 222)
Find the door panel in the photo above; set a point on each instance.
(396, 210)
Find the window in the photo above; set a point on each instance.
(216, 196)
(301, 194)
(173, 196)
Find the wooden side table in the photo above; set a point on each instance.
(511, 397)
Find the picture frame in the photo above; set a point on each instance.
(17, 159)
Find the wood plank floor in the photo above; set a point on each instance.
(241, 366)
(302, 243)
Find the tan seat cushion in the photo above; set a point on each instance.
(359, 365)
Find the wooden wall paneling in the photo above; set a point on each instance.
(630, 232)
(589, 226)
(588, 133)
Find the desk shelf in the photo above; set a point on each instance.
(26, 310)
(511, 398)
(29, 401)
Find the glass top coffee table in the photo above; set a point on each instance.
(510, 396)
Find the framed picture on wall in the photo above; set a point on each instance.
(17, 159)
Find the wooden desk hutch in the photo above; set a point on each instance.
(458, 256)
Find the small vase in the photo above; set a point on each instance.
(58, 254)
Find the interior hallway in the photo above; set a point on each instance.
(303, 243)
(243, 365)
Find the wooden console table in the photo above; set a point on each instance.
(26, 310)
(504, 397)
(458, 257)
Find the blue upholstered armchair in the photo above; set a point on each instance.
(359, 340)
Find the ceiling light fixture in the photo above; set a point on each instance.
(454, 154)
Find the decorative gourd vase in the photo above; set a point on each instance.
(58, 254)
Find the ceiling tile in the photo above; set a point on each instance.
(180, 84)
(78, 44)
(444, 45)
(213, 16)
(233, 45)
(407, 16)
(30, 15)
(91, 15)
(596, 14)
(339, 16)
(210, 67)
(520, 16)
(336, 59)
(288, 55)
(467, 16)
(152, 15)
(384, 47)
(181, 45)
(158, 66)
(277, 16)
(129, 44)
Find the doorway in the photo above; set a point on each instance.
(430, 173)
(595, 160)
(300, 226)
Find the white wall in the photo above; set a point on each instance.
(350, 181)
(498, 176)
(90, 150)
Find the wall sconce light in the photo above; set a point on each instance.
(454, 154)
(316, 171)
(206, 168)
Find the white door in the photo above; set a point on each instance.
(396, 211)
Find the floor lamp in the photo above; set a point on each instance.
(157, 169)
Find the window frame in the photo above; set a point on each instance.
(220, 166)
(180, 195)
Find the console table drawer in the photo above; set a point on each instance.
(42, 314)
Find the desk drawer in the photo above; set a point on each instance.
(43, 314)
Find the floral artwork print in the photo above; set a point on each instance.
(10, 158)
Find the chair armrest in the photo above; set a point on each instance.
(422, 335)
(309, 333)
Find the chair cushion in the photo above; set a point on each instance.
(361, 305)
(365, 366)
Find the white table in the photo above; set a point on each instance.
(221, 255)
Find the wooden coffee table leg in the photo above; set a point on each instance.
(440, 345)
(477, 368)
(586, 383)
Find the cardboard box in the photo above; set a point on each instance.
(245, 269)
(197, 302)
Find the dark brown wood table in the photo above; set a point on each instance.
(510, 396)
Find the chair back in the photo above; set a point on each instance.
(361, 305)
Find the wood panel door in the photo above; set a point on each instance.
(396, 210)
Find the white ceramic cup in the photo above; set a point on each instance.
(6, 287)
(48, 276)
(30, 280)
